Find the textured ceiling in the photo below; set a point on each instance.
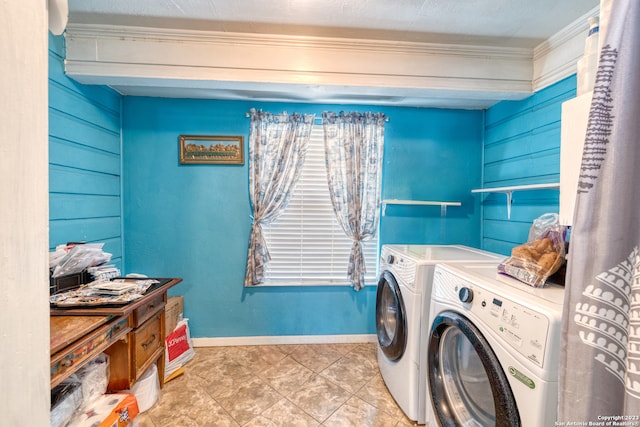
(503, 23)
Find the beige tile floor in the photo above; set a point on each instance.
(331, 385)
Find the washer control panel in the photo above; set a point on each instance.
(515, 324)
(403, 268)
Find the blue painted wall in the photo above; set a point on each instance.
(84, 160)
(522, 146)
(434, 155)
(193, 221)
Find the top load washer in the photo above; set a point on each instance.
(493, 349)
(402, 303)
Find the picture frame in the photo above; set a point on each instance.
(211, 150)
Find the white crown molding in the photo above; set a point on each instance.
(275, 40)
(134, 57)
(225, 65)
(556, 58)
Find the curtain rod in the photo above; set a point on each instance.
(386, 119)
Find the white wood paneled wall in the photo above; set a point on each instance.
(24, 322)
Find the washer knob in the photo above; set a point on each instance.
(465, 294)
(390, 259)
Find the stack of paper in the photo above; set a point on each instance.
(104, 272)
(114, 288)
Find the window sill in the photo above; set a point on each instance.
(309, 285)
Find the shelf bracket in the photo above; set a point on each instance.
(508, 191)
(509, 195)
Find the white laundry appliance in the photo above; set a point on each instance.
(402, 302)
(494, 348)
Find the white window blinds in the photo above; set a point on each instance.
(306, 244)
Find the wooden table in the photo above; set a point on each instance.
(132, 335)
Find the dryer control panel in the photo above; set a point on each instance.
(516, 325)
(403, 268)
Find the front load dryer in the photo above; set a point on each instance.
(402, 302)
(493, 351)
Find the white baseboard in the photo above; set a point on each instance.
(285, 339)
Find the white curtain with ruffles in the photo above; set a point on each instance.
(354, 144)
(277, 148)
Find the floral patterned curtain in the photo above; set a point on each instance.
(277, 148)
(353, 147)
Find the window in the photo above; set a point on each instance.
(306, 244)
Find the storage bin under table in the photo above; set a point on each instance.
(132, 335)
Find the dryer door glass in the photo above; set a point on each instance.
(467, 383)
(391, 320)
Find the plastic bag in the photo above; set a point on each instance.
(541, 256)
(94, 378)
(65, 399)
(78, 257)
(178, 349)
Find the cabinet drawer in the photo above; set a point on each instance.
(144, 312)
(73, 357)
(147, 340)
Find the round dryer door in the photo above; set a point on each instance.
(391, 317)
(467, 383)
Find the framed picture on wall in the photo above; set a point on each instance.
(212, 150)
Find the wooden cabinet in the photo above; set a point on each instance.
(147, 342)
(148, 309)
(132, 336)
(142, 347)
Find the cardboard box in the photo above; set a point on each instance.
(173, 313)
